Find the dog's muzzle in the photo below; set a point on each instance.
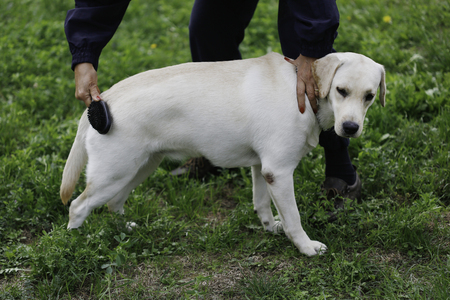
(350, 128)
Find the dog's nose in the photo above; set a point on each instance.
(350, 127)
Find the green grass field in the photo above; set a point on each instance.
(201, 239)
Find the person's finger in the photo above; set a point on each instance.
(95, 93)
(301, 96)
(289, 60)
(310, 91)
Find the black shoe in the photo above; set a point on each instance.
(338, 190)
(198, 167)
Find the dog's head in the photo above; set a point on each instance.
(348, 83)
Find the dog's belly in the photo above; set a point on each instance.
(236, 158)
(227, 157)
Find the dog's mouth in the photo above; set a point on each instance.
(348, 136)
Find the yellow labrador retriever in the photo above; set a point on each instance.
(235, 113)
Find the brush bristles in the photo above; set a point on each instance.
(99, 117)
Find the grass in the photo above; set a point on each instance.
(201, 239)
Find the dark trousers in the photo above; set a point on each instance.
(216, 30)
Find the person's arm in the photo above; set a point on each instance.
(315, 24)
(89, 27)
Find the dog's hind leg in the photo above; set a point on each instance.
(281, 188)
(116, 204)
(108, 174)
(261, 200)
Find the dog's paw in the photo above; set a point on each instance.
(313, 248)
(74, 224)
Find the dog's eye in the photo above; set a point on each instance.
(342, 92)
(369, 97)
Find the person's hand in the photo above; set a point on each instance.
(86, 87)
(305, 82)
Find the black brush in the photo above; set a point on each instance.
(99, 117)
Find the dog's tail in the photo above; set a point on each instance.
(75, 162)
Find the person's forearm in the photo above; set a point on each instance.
(90, 26)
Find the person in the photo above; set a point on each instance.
(307, 30)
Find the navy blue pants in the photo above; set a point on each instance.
(217, 28)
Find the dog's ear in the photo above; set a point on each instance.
(383, 87)
(323, 71)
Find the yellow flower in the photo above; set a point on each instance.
(153, 46)
(387, 19)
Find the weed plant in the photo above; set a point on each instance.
(200, 239)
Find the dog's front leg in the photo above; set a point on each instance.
(261, 201)
(281, 188)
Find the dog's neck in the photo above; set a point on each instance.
(325, 114)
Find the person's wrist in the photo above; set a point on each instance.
(83, 66)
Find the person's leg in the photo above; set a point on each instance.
(339, 171)
(216, 29)
(307, 27)
(337, 159)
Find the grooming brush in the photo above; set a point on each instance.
(99, 117)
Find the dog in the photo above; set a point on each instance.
(236, 114)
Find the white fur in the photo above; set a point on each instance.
(235, 113)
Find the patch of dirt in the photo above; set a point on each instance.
(391, 258)
(226, 202)
(213, 277)
(27, 237)
(184, 274)
(442, 223)
(445, 221)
